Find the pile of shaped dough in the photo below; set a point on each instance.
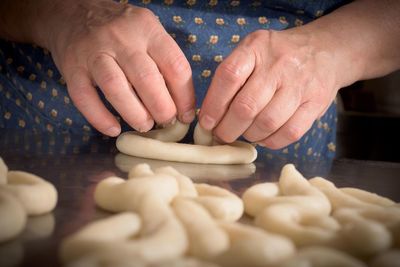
(164, 219)
(161, 144)
(22, 194)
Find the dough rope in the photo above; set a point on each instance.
(195, 171)
(13, 216)
(292, 208)
(150, 197)
(22, 194)
(180, 222)
(165, 148)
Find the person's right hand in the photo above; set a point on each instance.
(127, 53)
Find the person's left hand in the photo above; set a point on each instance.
(272, 88)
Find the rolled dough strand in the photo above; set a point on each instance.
(3, 172)
(13, 216)
(140, 170)
(301, 213)
(39, 227)
(161, 238)
(116, 194)
(172, 133)
(95, 235)
(36, 195)
(202, 136)
(206, 238)
(257, 197)
(368, 197)
(195, 171)
(236, 153)
(185, 184)
(150, 197)
(222, 204)
(360, 236)
(369, 206)
(337, 197)
(322, 257)
(251, 246)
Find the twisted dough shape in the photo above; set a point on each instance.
(292, 208)
(370, 223)
(13, 216)
(22, 194)
(162, 146)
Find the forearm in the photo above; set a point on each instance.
(42, 21)
(365, 36)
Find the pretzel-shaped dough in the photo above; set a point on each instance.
(206, 238)
(251, 246)
(22, 194)
(143, 145)
(88, 239)
(222, 204)
(36, 195)
(369, 222)
(13, 216)
(150, 197)
(292, 208)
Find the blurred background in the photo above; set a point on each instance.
(369, 120)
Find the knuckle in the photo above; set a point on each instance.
(245, 107)
(229, 72)
(178, 65)
(256, 37)
(294, 133)
(267, 123)
(148, 74)
(144, 13)
(109, 80)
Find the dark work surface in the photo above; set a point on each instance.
(74, 164)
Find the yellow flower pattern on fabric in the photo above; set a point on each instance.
(33, 93)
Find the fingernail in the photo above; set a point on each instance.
(113, 131)
(171, 122)
(207, 122)
(145, 127)
(188, 116)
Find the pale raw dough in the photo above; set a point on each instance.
(206, 238)
(292, 208)
(223, 172)
(251, 246)
(3, 172)
(12, 216)
(22, 194)
(181, 219)
(143, 145)
(36, 195)
(150, 197)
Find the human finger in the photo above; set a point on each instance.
(294, 128)
(281, 107)
(177, 74)
(88, 102)
(149, 84)
(112, 81)
(247, 104)
(229, 77)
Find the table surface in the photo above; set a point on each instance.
(75, 164)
